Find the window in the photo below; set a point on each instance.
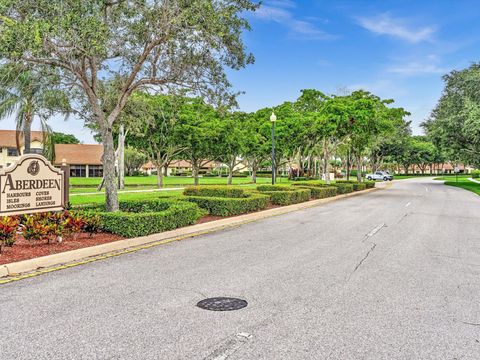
(78, 171)
(12, 152)
(95, 170)
(36, 151)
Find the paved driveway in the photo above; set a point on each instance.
(394, 274)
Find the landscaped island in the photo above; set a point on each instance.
(28, 236)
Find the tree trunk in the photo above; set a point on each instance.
(359, 168)
(348, 165)
(230, 175)
(326, 156)
(195, 169)
(121, 158)
(159, 177)
(108, 160)
(27, 132)
(165, 170)
(254, 175)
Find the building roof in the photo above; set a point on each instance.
(78, 154)
(7, 138)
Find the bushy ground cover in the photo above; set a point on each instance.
(285, 195)
(145, 217)
(225, 200)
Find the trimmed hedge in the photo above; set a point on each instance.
(215, 191)
(321, 192)
(263, 188)
(343, 188)
(225, 206)
(318, 183)
(140, 218)
(358, 186)
(283, 195)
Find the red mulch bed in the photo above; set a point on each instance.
(24, 250)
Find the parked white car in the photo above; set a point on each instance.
(380, 175)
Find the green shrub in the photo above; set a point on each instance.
(310, 183)
(283, 195)
(321, 192)
(215, 191)
(358, 186)
(224, 206)
(263, 188)
(475, 174)
(140, 218)
(343, 188)
(369, 184)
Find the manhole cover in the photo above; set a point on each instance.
(222, 304)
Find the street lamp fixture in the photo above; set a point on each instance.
(273, 119)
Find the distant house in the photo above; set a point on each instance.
(178, 166)
(8, 146)
(438, 168)
(84, 160)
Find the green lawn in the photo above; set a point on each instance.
(462, 182)
(170, 181)
(149, 183)
(403, 177)
(100, 198)
(452, 177)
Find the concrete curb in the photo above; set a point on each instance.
(25, 266)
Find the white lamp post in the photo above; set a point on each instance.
(273, 119)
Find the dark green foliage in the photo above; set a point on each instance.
(282, 195)
(359, 186)
(215, 191)
(316, 183)
(356, 185)
(343, 188)
(321, 192)
(140, 218)
(263, 188)
(224, 206)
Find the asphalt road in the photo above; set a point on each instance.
(394, 274)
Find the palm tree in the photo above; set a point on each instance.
(26, 94)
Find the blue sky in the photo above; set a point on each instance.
(393, 48)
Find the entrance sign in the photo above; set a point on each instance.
(31, 185)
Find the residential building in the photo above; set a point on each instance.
(84, 160)
(179, 167)
(8, 146)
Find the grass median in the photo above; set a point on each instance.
(461, 182)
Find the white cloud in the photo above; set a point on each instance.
(429, 65)
(282, 3)
(416, 68)
(384, 24)
(279, 11)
